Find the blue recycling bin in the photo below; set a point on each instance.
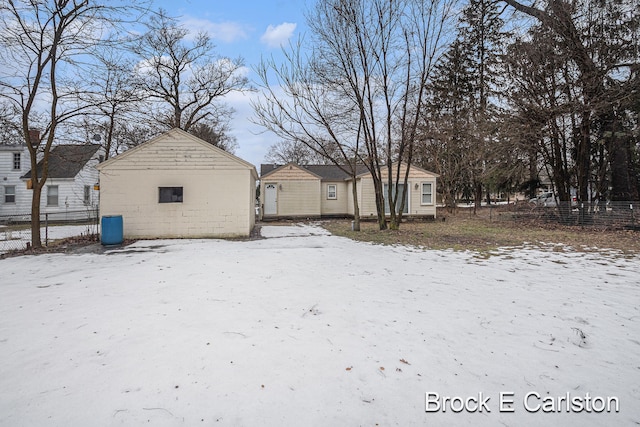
(112, 232)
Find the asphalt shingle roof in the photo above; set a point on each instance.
(326, 172)
(65, 161)
(266, 168)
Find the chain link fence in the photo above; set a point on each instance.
(603, 215)
(15, 229)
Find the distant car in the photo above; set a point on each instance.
(545, 199)
(548, 199)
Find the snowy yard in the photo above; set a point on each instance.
(306, 329)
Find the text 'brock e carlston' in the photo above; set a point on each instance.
(531, 402)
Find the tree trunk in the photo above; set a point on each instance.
(382, 221)
(393, 221)
(477, 197)
(533, 172)
(356, 207)
(177, 118)
(583, 157)
(623, 188)
(109, 141)
(403, 196)
(36, 241)
(619, 147)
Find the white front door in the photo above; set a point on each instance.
(270, 199)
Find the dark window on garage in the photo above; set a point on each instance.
(170, 194)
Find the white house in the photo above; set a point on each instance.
(14, 197)
(320, 191)
(177, 185)
(69, 192)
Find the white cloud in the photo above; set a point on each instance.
(278, 35)
(224, 31)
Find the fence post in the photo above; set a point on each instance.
(46, 229)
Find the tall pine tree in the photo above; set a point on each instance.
(483, 38)
(445, 131)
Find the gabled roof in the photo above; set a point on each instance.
(268, 167)
(12, 147)
(324, 172)
(177, 132)
(333, 172)
(66, 161)
(271, 169)
(395, 164)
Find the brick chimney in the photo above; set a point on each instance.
(34, 137)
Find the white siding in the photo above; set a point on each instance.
(338, 206)
(299, 198)
(171, 152)
(298, 192)
(367, 198)
(70, 191)
(301, 193)
(416, 208)
(11, 177)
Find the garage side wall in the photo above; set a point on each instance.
(217, 192)
(214, 203)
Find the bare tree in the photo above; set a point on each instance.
(361, 87)
(10, 129)
(301, 107)
(286, 151)
(391, 48)
(542, 96)
(40, 47)
(215, 133)
(116, 96)
(187, 80)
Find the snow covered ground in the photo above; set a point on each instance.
(307, 329)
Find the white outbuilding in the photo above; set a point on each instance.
(179, 186)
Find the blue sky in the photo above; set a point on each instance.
(250, 29)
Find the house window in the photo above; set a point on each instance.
(10, 194)
(427, 194)
(52, 195)
(332, 191)
(87, 195)
(16, 161)
(387, 210)
(170, 194)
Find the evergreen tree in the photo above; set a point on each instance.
(483, 38)
(445, 132)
